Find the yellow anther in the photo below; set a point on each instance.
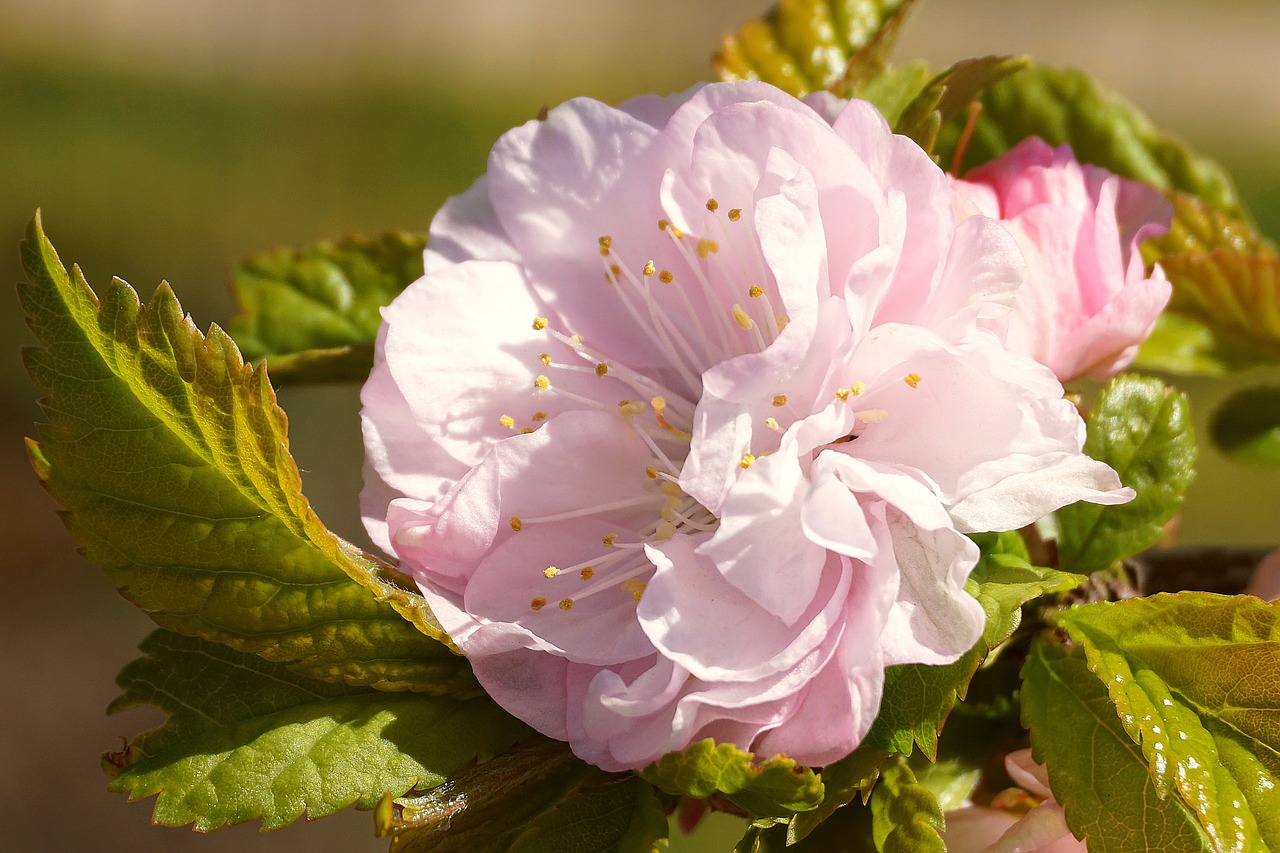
(538, 603)
(649, 268)
(781, 321)
(609, 538)
(545, 358)
(651, 472)
(634, 587)
(602, 369)
(663, 224)
(606, 243)
(526, 430)
(742, 318)
(671, 489)
(516, 523)
(587, 574)
(658, 403)
(872, 416)
(676, 232)
(842, 393)
(779, 400)
(550, 572)
(539, 323)
(755, 291)
(735, 214)
(507, 421)
(668, 511)
(748, 459)
(912, 379)
(538, 416)
(858, 388)
(713, 205)
(542, 383)
(666, 277)
(566, 604)
(665, 531)
(577, 339)
(772, 423)
(707, 247)
(631, 407)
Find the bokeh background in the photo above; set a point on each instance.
(164, 138)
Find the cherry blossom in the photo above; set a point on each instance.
(1026, 819)
(682, 430)
(1088, 301)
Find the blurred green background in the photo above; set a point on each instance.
(164, 138)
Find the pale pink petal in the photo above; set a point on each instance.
(467, 229)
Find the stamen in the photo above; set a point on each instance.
(587, 573)
(772, 423)
(545, 358)
(609, 538)
(507, 421)
(748, 460)
(634, 588)
(628, 503)
(741, 317)
(755, 291)
(550, 572)
(542, 383)
(858, 388)
(713, 205)
(781, 321)
(735, 214)
(602, 369)
(516, 523)
(912, 379)
(606, 243)
(566, 604)
(630, 407)
(539, 323)
(665, 531)
(649, 268)
(707, 247)
(659, 412)
(779, 400)
(538, 416)
(651, 472)
(538, 603)
(666, 277)
(842, 394)
(872, 416)
(663, 224)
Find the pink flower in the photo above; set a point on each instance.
(1041, 829)
(681, 431)
(1265, 582)
(1087, 302)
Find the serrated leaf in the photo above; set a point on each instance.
(1060, 106)
(776, 786)
(1143, 430)
(485, 807)
(918, 698)
(171, 459)
(804, 46)
(247, 739)
(1199, 227)
(1247, 425)
(1095, 770)
(623, 816)
(905, 817)
(1193, 678)
(1236, 295)
(949, 94)
(844, 781)
(314, 311)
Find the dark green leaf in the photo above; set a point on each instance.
(1142, 429)
(849, 778)
(1247, 425)
(949, 94)
(484, 808)
(804, 46)
(776, 786)
(623, 816)
(171, 458)
(1069, 106)
(905, 817)
(314, 312)
(918, 698)
(248, 739)
(1096, 771)
(1193, 678)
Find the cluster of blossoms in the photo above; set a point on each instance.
(683, 429)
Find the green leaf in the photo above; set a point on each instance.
(1193, 678)
(314, 312)
(905, 817)
(893, 89)
(1199, 227)
(484, 808)
(918, 698)
(623, 816)
(1142, 429)
(1236, 295)
(1180, 344)
(1096, 771)
(949, 94)
(171, 459)
(849, 778)
(804, 46)
(776, 786)
(1069, 106)
(1247, 425)
(248, 739)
